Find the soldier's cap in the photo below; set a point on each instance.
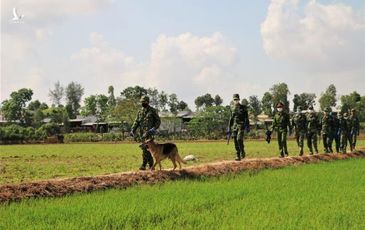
(280, 105)
(145, 98)
(236, 96)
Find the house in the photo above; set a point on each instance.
(88, 123)
(171, 123)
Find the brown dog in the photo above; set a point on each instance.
(163, 151)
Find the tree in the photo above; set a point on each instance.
(162, 101)
(352, 101)
(205, 100)
(211, 122)
(96, 105)
(304, 100)
(182, 106)
(173, 103)
(125, 111)
(90, 106)
(218, 100)
(111, 99)
(134, 93)
(254, 106)
(328, 98)
(153, 94)
(14, 108)
(57, 94)
(280, 93)
(267, 102)
(74, 92)
(34, 105)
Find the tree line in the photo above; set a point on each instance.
(211, 113)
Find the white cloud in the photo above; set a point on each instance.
(326, 38)
(21, 43)
(187, 65)
(101, 63)
(191, 65)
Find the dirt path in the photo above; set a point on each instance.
(62, 187)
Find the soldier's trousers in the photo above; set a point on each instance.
(299, 136)
(238, 143)
(327, 142)
(283, 148)
(345, 137)
(312, 141)
(146, 156)
(337, 139)
(354, 139)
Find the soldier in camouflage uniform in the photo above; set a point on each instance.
(299, 123)
(336, 131)
(345, 132)
(147, 121)
(355, 127)
(327, 130)
(281, 124)
(313, 128)
(238, 124)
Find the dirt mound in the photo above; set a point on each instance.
(57, 188)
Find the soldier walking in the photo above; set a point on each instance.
(355, 128)
(336, 131)
(345, 129)
(299, 122)
(327, 131)
(281, 124)
(238, 124)
(147, 121)
(313, 128)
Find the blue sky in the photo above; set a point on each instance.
(187, 47)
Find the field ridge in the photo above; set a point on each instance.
(63, 187)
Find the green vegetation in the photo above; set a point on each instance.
(20, 163)
(317, 196)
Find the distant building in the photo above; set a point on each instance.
(171, 123)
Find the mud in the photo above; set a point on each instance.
(63, 187)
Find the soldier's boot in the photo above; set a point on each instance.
(282, 154)
(301, 152)
(144, 163)
(237, 147)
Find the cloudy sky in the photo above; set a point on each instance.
(188, 47)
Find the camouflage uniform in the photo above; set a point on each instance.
(327, 131)
(147, 119)
(313, 128)
(355, 128)
(299, 122)
(281, 124)
(336, 131)
(238, 123)
(345, 132)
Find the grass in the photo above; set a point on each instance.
(23, 163)
(317, 196)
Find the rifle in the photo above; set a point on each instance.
(268, 134)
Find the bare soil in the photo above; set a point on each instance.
(63, 187)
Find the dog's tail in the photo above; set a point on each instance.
(180, 159)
